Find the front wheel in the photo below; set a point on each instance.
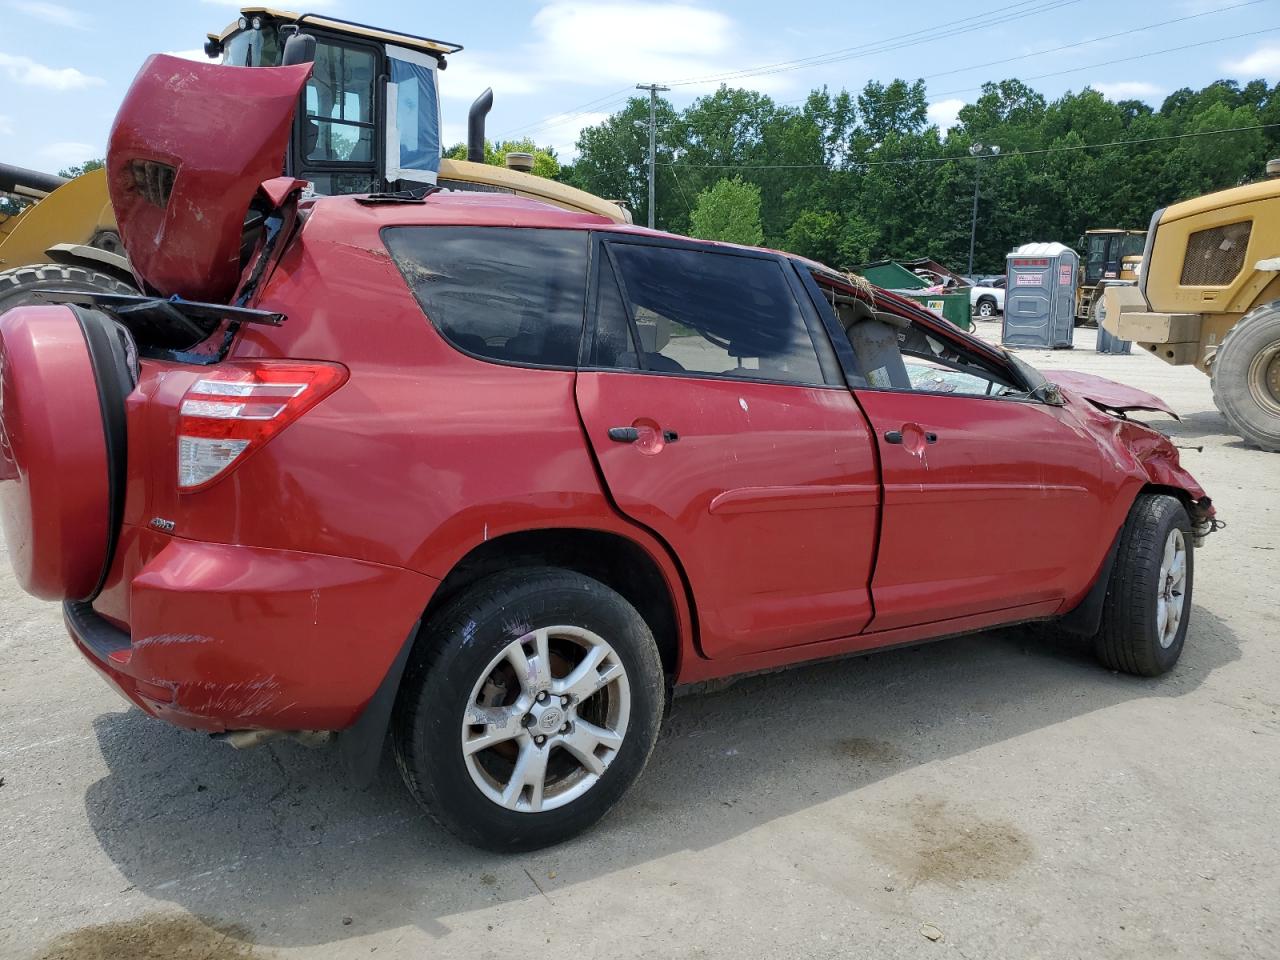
(1246, 377)
(531, 704)
(986, 308)
(1148, 604)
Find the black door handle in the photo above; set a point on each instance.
(895, 436)
(624, 434)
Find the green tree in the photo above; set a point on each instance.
(851, 177)
(82, 168)
(729, 211)
(545, 162)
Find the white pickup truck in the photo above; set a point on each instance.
(987, 300)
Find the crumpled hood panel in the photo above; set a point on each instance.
(1107, 394)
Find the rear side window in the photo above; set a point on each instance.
(515, 295)
(701, 312)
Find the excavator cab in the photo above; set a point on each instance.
(369, 117)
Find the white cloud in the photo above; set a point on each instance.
(27, 72)
(1128, 90)
(943, 113)
(467, 76)
(54, 13)
(67, 153)
(1263, 62)
(197, 55)
(613, 43)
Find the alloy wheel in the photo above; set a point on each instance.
(546, 718)
(1171, 599)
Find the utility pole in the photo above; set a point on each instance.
(654, 89)
(976, 151)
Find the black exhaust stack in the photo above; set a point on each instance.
(34, 183)
(475, 125)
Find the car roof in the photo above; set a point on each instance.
(462, 208)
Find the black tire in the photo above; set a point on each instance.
(457, 650)
(986, 307)
(1246, 377)
(20, 285)
(1129, 639)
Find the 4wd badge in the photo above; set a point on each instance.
(160, 523)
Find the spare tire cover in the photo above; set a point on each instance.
(55, 474)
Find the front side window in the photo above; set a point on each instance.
(708, 313)
(513, 295)
(339, 124)
(893, 352)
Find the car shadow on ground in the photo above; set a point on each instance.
(273, 842)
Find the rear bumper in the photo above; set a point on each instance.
(225, 637)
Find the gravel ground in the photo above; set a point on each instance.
(979, 798)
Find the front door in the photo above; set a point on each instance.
(990, 502)
(711, 401)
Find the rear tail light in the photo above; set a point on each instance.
(234, 409)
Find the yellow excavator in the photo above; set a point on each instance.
(1208, 294)
(369, 121)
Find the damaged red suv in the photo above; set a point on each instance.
(489, 478)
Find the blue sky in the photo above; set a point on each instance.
(556, 65)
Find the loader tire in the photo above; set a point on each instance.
(20, 285)
(1246, 377)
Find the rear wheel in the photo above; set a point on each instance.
(1148, 604)
(20, 285)
(531, 704)
(1246, 377)
(986, 308)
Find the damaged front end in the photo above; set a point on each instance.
(1139, 451)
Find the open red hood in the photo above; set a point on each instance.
(1108, 394)
(188, 150)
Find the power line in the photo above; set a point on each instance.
(1083, 43)
(1140, 56)
(599, 103)
(951, 28)
(911, 161)
(1093, 66)
(591, 106)
(889, 43)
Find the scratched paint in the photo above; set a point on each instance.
(170, 639)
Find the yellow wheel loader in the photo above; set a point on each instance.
(368, 122)
(1208, 294)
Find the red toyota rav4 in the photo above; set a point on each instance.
(491, 477)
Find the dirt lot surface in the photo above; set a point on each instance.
(985, 797)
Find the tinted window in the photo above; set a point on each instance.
(712, 313)
(514, 295)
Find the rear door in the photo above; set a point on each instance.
(710, 397)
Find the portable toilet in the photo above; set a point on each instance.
(1040, 296)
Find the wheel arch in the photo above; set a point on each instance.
(619, 562)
